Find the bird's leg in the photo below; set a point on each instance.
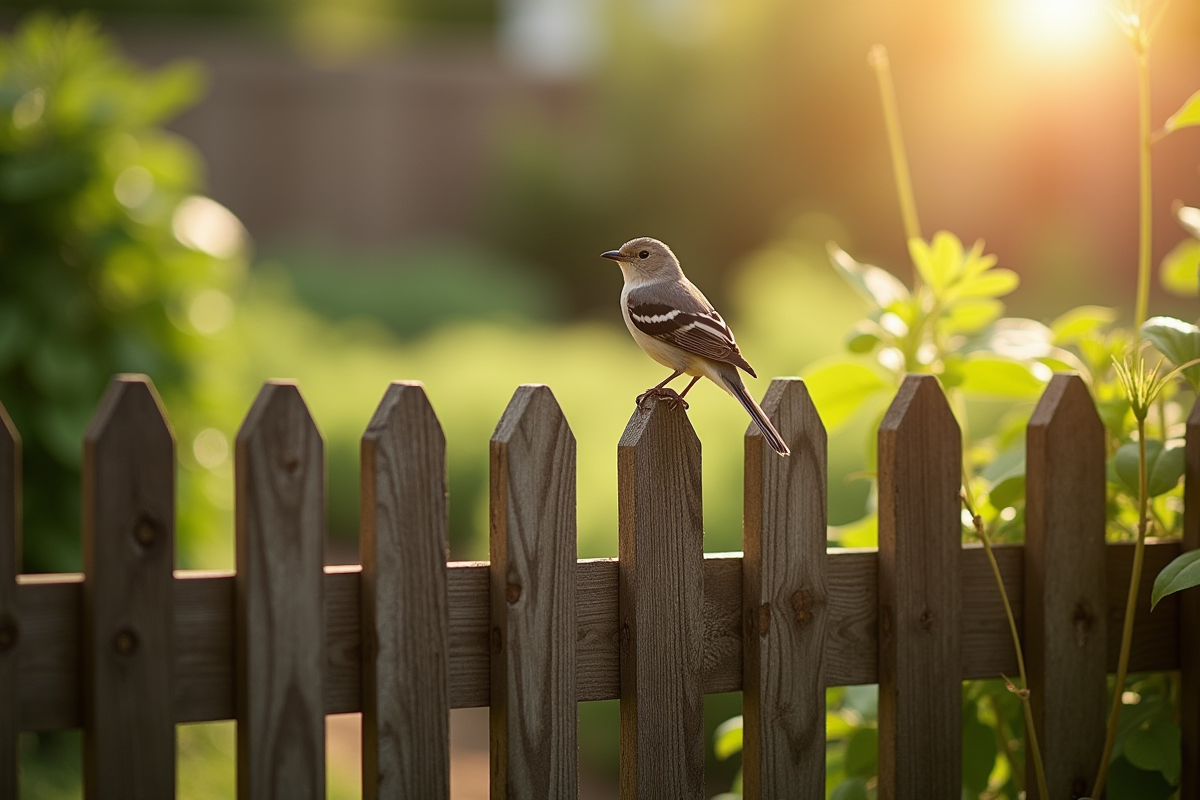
(661, 390)
(678, 399)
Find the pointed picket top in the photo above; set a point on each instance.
(920, 402)
(790, 408)
(659, 420)
(404, 413)
(402, 544)
(784, 590)
(532, 570)
(1065, 577)
(1067, 401)
(279, 477)
(128, 562)
(10, 630)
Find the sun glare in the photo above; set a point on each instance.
(1059, 24)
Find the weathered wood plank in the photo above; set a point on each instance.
(403, 541)
(920, 534)
(1065, 585)
(533, 556)
(128, 563)
(50, 611)
(1189, 619)
(785, 604)
(661, 579)
(280, 614)
(10, 628)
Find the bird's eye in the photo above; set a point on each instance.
(644, 254)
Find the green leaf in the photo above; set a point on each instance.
(1080, 322)
(1182, 573)
(938, 262)
(852, 789)
(1187, 115)
(861, 533)
(1127, 782)
(969, 316)
(987, 376)
(878, 286)
(978, 755)
(727, 739)
(1164, 467)
(840, 388)
(993, 283)
(862, 753)
(1180, 270)
(863, 337)
(1179, 341)
(1155, 746)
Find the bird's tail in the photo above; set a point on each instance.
(735, 387)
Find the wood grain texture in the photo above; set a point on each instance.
(533, 556)
(661, 581)
(1189, 619)
(280, 615)
(920, 534)
(1065, 585)
(50, 609)
(10, 628)
(785, 605)
(128, 563)
(403, 541)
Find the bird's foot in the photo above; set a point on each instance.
(669, 395)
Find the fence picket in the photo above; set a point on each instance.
(786, 603)
(10, 631)
(128, 565)
(1065, 585)
(660, 580)
(920, 658)
(533, 556)
(405, 630)
(280, 521)
(1189, 620)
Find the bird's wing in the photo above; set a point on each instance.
(699, 330)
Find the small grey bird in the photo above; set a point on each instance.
(676, 325)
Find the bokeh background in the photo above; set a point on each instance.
(348, 192)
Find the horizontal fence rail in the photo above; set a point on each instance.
(128, 649)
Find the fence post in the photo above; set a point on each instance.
(405, 628)
(1065, 599)
(128, 567)
(785, 605)
(280, 521)
(533, 557)
(10, 630)
(1189, 620)
(920, 543)
(661, 595)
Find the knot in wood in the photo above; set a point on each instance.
(764, 619)
(9, 633)
(1084, 620)
(512, 593)
(146, 532)
(802, 605)
(926, 620)
(626, 636)
(125, 642)
(290, 465)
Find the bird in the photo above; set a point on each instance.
(673, 322)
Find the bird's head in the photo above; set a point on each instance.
(645, 259)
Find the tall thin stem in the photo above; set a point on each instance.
(1135, 580)
(878, 59)
(1144, 186)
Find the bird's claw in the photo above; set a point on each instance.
(669, 395)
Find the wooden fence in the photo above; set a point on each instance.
(131, 648)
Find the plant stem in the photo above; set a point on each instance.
(1135, 580)
(1023, 692)
(878, 59)
(1144, 187)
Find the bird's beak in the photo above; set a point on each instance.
(615, 255)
